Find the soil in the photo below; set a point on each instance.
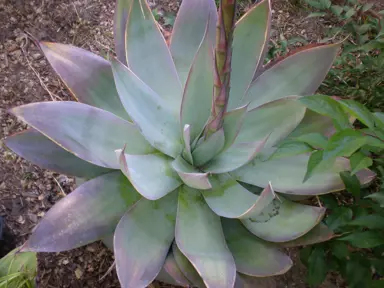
(26, 191)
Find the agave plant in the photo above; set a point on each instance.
(175, 145)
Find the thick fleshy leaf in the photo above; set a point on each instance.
(293, 75)
(253, 256)
(231, 200)
(172, 269)
(236, 156)
(88, 76)
(198, 91)
(245, 281)
(142, 240)
(277, 119)
(250, 42)
(164, 277)
(157, 121)
(287, 175)
(314, 123)
(148, 55)
(189, 30)
(318, 234)
(38, 149)
(151, 174)
(89, 213)
(119, 25)
(186, 267)
(232, 122)
(108, 241)
(200, 238)
(284, 221)
(90, 133)
(187, 152)
(191, 176)
(209, 148)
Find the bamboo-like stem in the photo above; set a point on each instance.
(223, 56)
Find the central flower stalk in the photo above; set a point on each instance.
(223, 56)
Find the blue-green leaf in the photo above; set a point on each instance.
(287, 175)
(88, 76)
(191, 176)
(142, 240)
(229, 199)
(200, 238)
(151, 175)
(235, 157)
(173, 271)
(158, 122)
(187, 152)
(88, 214)
(119, 25)
(209, 148)
(284, 221)
(88, 132)
(250, 43)
(38, 149)
(232, 122)
(292, 75)
(157, 70)
(276, 119)
(320, 233)
(198, 91)
(186, 267)
(314, 123)
(253, 256)
(188, 32)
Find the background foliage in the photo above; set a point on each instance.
(357, 215)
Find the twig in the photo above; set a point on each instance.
(53, 96)
(61, 188)
(108, 271)
(318, 200)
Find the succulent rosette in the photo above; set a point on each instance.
(176, 200)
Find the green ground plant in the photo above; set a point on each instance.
(192, 154)
(356, 216)
(18, 270)
(358, 72)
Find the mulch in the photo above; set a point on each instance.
(26, 191)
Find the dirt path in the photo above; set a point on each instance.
(27, 192)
